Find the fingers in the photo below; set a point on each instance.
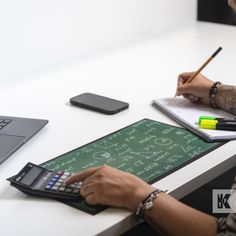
(183, 89)
(88, 193)
(86, 190)
(106, 185)
(183, 77)
(181, 83)
(81, 176)
(191, 98)
(91, 199)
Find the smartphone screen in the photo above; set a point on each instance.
(99, 103)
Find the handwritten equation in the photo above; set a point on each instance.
(147, 149)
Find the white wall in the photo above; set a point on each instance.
(41, 33)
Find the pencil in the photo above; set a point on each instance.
(204, 65)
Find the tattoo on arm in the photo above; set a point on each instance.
(226, 98)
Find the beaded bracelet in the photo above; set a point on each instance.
(212, 93)
(147, 203)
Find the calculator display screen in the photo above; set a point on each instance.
(29, 178)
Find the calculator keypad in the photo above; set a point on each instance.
(57, 183)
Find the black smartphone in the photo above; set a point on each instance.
(99, 103)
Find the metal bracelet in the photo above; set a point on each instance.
(147, 203)
(212, 93)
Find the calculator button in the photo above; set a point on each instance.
(57, 184)
(51, 183)
(67, 173)
(69, 190)
(63, 177)
(76, 190)
(48, 187)
(72, 185)
(60, 172)
(78, 185)
(62, 189)
(54, 188)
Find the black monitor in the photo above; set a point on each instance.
(216, 11)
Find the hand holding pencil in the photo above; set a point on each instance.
(197, 90)
(195, 86)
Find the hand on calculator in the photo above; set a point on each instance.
(38, 181)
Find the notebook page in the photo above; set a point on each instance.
(189, 113)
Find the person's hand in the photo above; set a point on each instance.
(195, 91)
(109, 186)
(232, 3)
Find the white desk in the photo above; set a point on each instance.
(137, 75)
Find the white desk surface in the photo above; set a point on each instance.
(136, 74)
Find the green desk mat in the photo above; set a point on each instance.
(147, 148)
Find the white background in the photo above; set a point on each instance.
(38, 35)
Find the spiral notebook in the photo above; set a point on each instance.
(187, 114)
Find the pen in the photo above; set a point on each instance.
(215, 118)
(218, 125)
(204, 65)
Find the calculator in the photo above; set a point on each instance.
(38, 181)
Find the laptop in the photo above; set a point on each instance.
(15, 131)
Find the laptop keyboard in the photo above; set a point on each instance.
(4, 123)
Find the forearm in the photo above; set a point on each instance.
(225, 98)
(171, 217)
